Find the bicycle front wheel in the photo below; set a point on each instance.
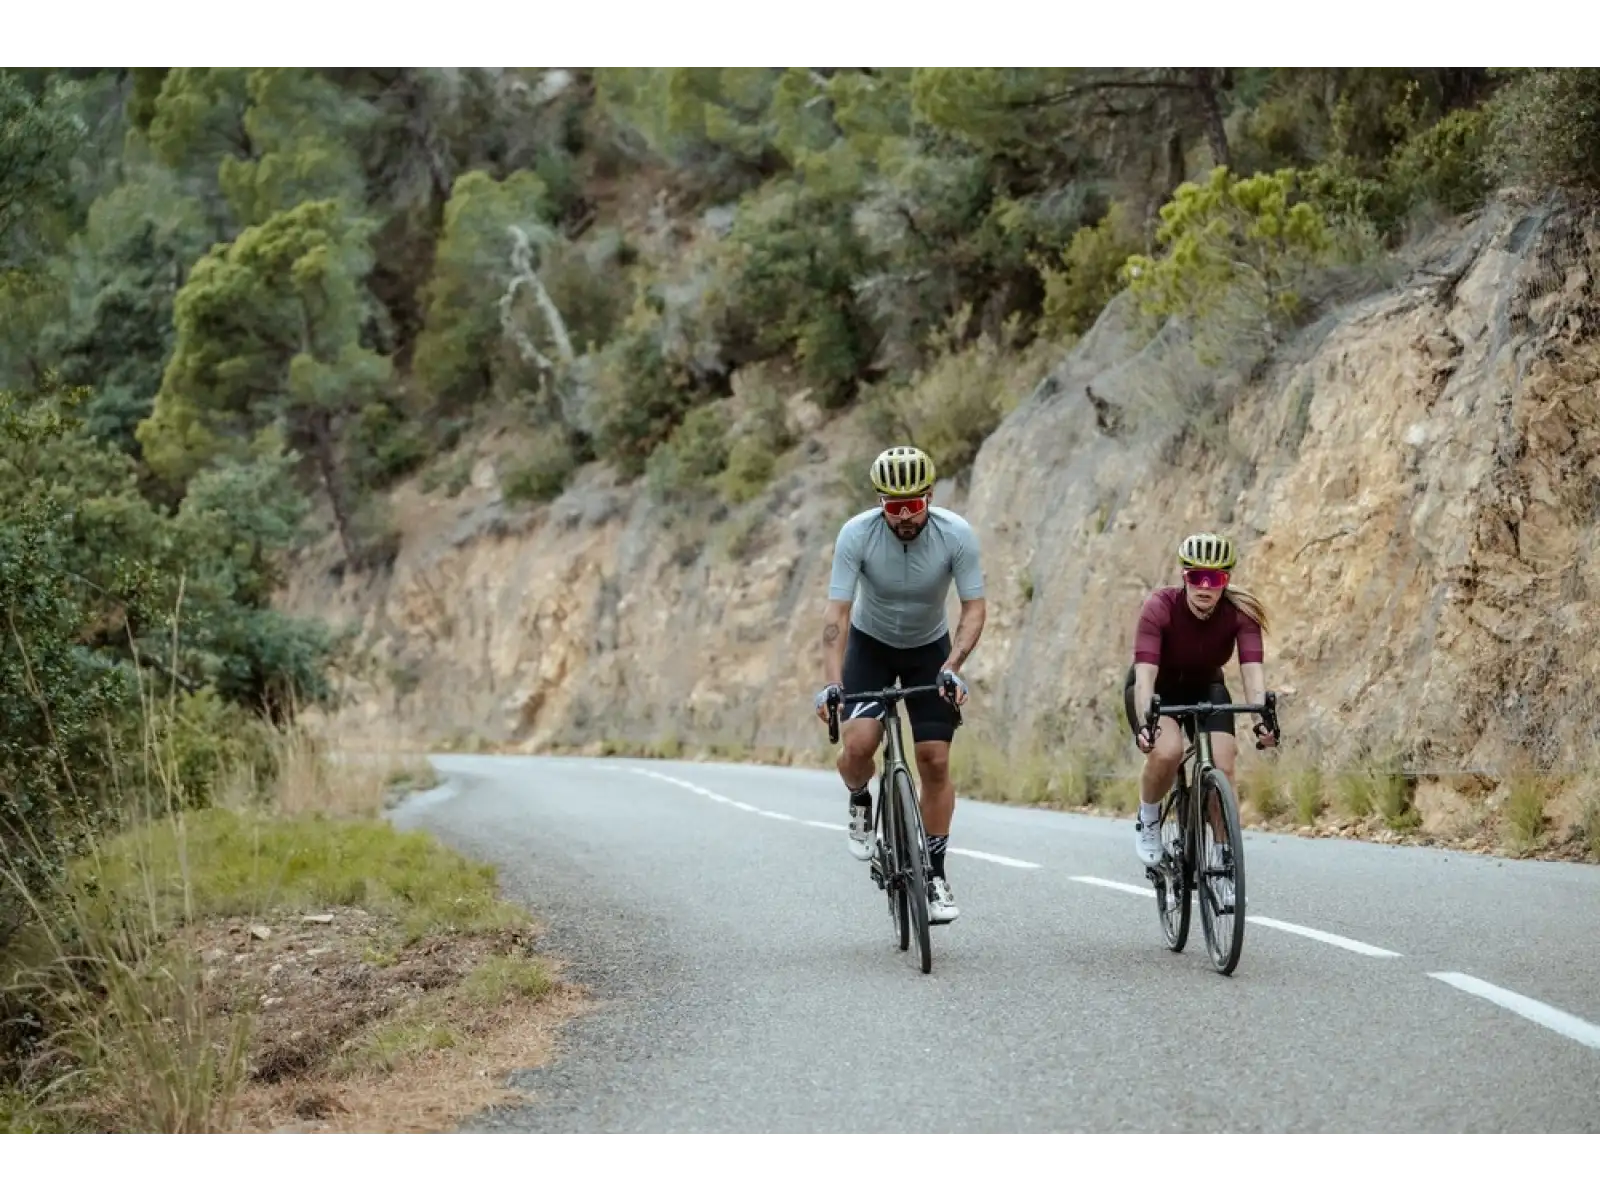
(914, 857)
(1219, 873)
(891, 846)
(1173, 893)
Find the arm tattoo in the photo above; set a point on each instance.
(830, 634)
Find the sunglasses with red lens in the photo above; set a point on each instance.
(904, 508)
(1201, 578)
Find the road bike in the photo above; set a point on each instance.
(899, 865)
(1202, 845)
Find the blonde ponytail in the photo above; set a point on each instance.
(1248, 604)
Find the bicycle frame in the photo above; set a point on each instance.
(894, 754)
(1181, 871)
(901, 867)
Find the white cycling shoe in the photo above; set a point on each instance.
(860, 833)
(1147, 841)
(941, 902)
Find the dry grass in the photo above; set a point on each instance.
(1282, 790)
(171, 978)
(1588, 827)
(1525, 812)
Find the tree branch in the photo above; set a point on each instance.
(1084, 89)
(525, 275)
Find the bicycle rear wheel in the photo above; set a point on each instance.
(1220, 884)
(914, 851)
(1172, 877)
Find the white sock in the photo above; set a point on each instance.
(1148, 813)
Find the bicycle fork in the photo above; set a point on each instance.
(876, 863)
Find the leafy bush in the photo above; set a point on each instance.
(1089, 274)
(637, 396)
(1444, 163)
(201, 742)
(1545, 128)
(952, 404)
(1238, 253)
(687, 464)
(750, 465)
(459, 345)
(543, 472)
(794, 257)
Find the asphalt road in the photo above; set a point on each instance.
(748, 981)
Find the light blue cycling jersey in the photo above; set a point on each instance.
(899, 588)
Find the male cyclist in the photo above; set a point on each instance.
(1184, 638)
(885, 620)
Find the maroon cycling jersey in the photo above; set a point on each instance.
(1190, 651)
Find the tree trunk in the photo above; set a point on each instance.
(1177, 167)
(324, 455)
(1206, 81)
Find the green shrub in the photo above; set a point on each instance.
(1227, 236)
(1444, 163)
(791, 265)
(387, 445)
(1089, 273)
(957, 400)
(751, 463)
(460, 343)
(202, 742)
(593, 301)
(543, 472)
(1545, 128)
(639, 397)
(687, 464)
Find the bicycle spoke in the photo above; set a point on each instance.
(1220, 873)
(1172, 896)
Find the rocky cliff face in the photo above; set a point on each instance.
(1413, 483)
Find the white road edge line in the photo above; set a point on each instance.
(1001, 859)
(1333, 939)
(1536, 1011)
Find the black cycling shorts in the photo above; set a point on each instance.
(1215, 692)
(870, 665)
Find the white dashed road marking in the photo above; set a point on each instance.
(1132, 889)
(999, 859)
(1333, 939)
(1537, 1011)
(995, 858)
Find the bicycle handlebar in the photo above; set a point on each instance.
(1267, 710)
(884, 696)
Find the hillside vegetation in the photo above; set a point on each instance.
(237, 307)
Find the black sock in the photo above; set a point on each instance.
(936, 845)
(862, 798)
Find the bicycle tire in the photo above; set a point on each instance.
(915, 849)
(890, 840)
(1224, 944)
(1174, 873)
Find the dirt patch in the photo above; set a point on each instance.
(355, 1031)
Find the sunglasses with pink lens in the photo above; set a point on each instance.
(1202, 578)
(905, 508)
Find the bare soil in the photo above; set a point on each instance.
(353, 1032)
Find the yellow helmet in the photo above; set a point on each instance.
(902, 471)
(1213, 551)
